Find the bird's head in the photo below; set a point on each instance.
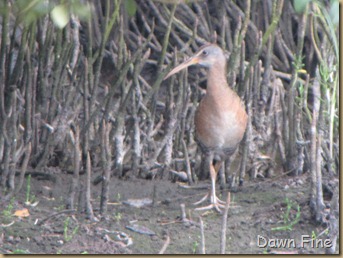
(206, 56)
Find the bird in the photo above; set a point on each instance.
(220, 118)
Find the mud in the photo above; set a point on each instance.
(256, 209)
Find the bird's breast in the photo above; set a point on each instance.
(220, 122)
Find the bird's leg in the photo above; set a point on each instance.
(215, 170)
(222, 178)
(215, 201)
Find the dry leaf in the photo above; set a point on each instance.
(22, 213)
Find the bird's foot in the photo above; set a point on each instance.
(216, 203)
(201, 200)
(216, 206)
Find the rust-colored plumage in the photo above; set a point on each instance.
(220, 119)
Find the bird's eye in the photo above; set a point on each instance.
(204, 52)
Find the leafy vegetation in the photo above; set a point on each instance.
(288, 221)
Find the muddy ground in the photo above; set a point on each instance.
(257, 208)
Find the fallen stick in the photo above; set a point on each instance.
(55, 215)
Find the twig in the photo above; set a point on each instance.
(165, 245)
(55, 215)
(184, 29)
(198, 187)
(188, 166)
(277, 11)
(166, 39)
(89, 208)
(203, 248)
(75, 133)
(224, 223)
(313, 137)
(23, 168)
(183, 211)
(184, 218)
(106, 163)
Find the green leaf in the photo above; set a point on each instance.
(82, 11)
(60, 15)
(131, 7)
(334, 12)
(300, 5)
(20, 251)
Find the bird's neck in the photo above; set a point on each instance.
(216, 80)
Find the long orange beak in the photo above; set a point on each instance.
(191, 61)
